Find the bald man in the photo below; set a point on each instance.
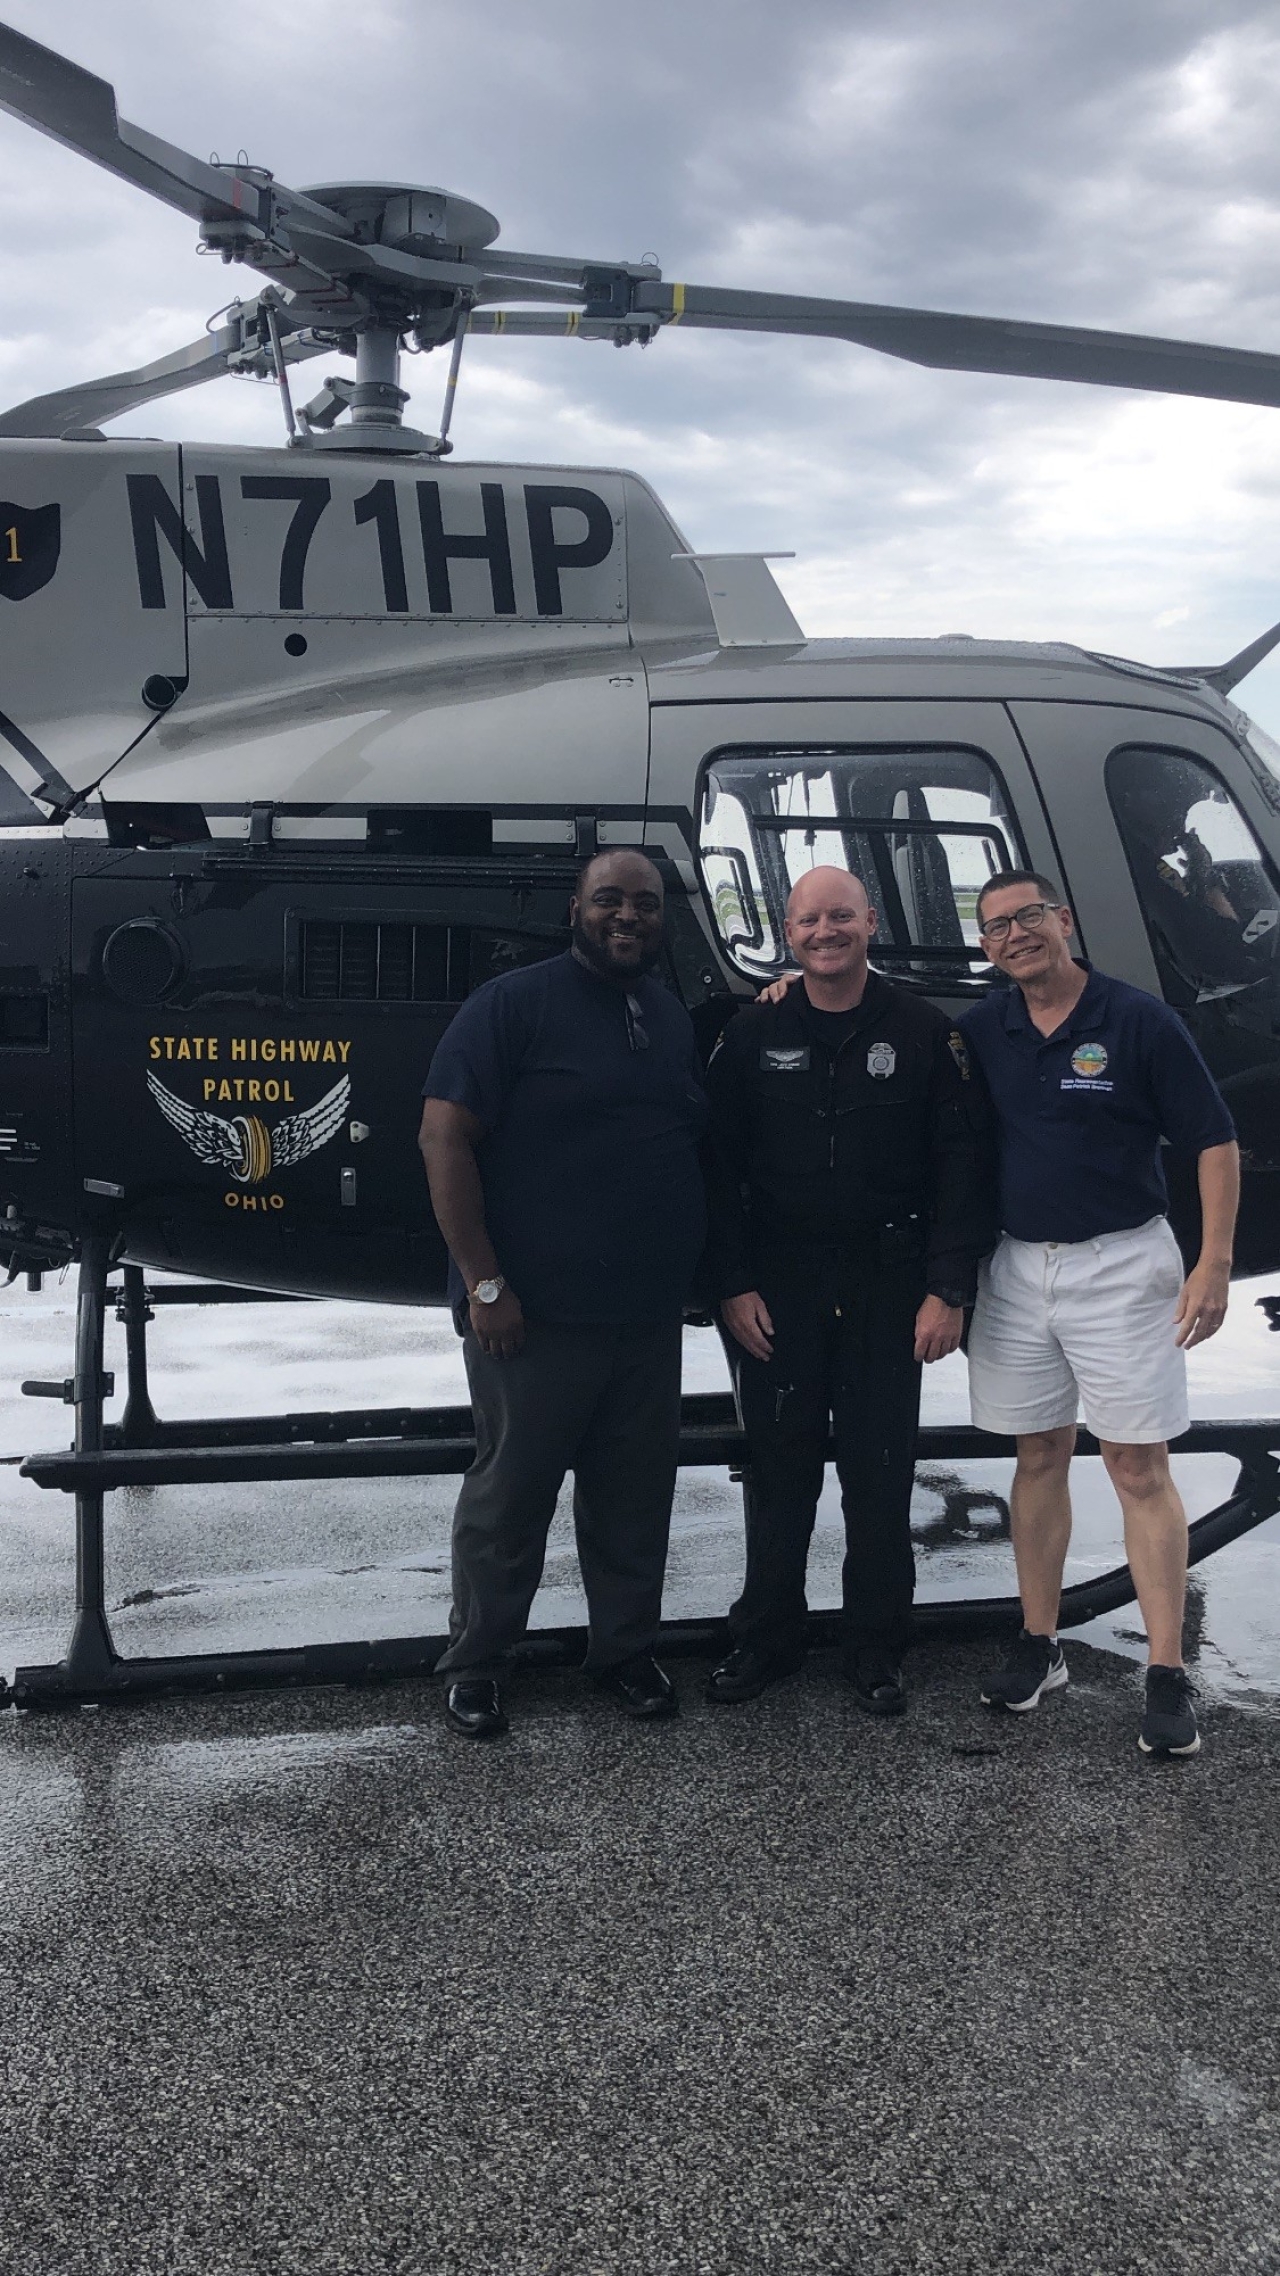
(851, 1199)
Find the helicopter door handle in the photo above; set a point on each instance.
(348, 1183)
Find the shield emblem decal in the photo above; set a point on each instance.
(30, 542)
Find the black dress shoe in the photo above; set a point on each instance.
(639, 1686)
(747, 1672)
(876, 1681)
(473, 1705)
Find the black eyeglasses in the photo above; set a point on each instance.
(1031, 919)
(637, 1032)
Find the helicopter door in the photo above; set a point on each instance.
(1125, 787)
(250, 1048)
(923, 800)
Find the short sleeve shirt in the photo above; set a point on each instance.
(1081, 1113)
(593, 1110)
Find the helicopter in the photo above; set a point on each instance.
(298, 746)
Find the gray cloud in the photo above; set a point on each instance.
(1077, 162)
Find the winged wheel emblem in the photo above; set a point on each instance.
(243, 1144)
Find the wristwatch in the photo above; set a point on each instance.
(488, 1291)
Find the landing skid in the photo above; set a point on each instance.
(435, 1441)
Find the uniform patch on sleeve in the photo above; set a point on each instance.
(959, 1050)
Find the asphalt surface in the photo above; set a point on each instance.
(304, 1982)
(309, 1985)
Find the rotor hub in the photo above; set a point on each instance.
(409, 217)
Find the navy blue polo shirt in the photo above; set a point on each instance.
(589, 1161)
(1081, 1113)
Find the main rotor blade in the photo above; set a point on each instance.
(79, 110)
(109, 398)
(980, 343)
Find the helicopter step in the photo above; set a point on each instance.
(439, 1441)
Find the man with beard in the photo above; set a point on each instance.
(560, 1133)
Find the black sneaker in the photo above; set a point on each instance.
(1034, 1666)
(473, 1706)
(1169, 1724)
(875, 1679)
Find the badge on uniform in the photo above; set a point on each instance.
(881, 1059)
(1090, 1060)
(790, 1060)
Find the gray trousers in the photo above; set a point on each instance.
(603, 1402)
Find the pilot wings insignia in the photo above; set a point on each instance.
(243, 1144)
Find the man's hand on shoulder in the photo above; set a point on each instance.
(776, 992)
(938, 1329)
(498, 1327)
(747, 1319)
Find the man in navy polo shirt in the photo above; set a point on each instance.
(1084, 1300)
(560, 1131)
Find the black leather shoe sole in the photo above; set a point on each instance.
(735, 1689)
(883, 1700)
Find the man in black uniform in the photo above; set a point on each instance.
(850, 1200)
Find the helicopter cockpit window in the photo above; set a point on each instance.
(923, 829)
(1209, 898)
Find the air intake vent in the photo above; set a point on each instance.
(350, 962)
(355, 961)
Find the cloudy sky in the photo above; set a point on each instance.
(1110, 162)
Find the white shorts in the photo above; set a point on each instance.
(1060, 1322)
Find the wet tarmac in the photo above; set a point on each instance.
(303, 1983)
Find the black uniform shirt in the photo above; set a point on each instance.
(589, 1159)
(818, 1146)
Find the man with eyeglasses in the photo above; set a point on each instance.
(562, 1119)
(1084, 1301)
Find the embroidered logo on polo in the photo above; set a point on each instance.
(1089, 1062)
(881, 1059)
(791, 1060)
(1089, 1059)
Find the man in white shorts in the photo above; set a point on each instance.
(1084, 1300)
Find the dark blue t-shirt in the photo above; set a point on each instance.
(1081, 1113)
(589, 1161)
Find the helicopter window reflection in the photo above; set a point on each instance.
(1209, 898)
(923, 829)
